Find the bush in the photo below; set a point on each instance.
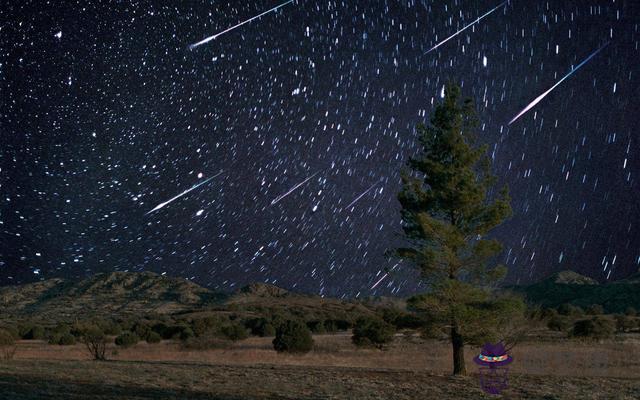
(62, 339)
(7, 345)
(12, 330)
(372, 332)
(153, 337)
(67, 339)
(293, 337)
(624, 323)
(234, 332)
(558, 323)
(333, 325)
(330, 326)
(141, 329)
(260, 327)
(570, 309)
(127, 339)
(316, 326)
(95, 341)
(202, 326)
(631, 312)
(35, 333)
(594, 328)
(595, 309)
(186, 333)
(548, 313)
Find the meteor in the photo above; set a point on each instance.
(210, 38)
(461, 30)
(282, 196)
(539, 98)
(379, 280)
(159, 206)
(359, 197)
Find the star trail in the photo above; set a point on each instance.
(309, 108)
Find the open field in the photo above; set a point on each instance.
(410, 369)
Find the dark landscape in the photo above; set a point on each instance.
(319, 200)
(550, 364)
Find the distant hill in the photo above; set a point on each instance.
(113, 293)
(147, 293)
(570, 287)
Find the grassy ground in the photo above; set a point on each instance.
(410, 369)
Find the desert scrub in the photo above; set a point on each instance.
(127, 339)
(596, 328)
(153, 337)
(7, 345)
(372, 332)
(293, 337)
(234, 331)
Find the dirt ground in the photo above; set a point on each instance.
(410, 369)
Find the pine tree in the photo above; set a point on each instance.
(446, 212)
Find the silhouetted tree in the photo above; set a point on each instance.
(446, 212)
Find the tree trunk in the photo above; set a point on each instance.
(458, 352)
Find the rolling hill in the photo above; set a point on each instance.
(146, 293)
(573, 288)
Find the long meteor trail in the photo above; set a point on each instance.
(159, 206)
(210, 38)
(469, 25)
(362, 194)
(539, 98)
(282, 196)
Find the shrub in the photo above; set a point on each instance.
(631, 312)
(595, 309)
(186, 333)
(95, 342)
(558, 323)
(12, 330)
(624, 323)
(316, 326)
(67, 339)
(62, 339)
(333, 325)
(372, 332)
(594, 328)
(260, 327)
(548, 313)
(7, 345)
(293, 337)
(153, 337)
(112, 328)
(234, 331)
(569, 309)
(127, 339)
(141, 329)
(35, 333)
(165, 331)
(330, 325)
(202, 326)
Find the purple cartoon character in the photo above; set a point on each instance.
(493, 361)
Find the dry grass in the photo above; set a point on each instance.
(563, 358)
(410, 369)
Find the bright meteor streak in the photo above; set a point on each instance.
(463, 29)
(282, 196)
(210, 38)
(359, 197)
(159, 206)
(539, 98)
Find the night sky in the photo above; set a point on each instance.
(302, 120)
